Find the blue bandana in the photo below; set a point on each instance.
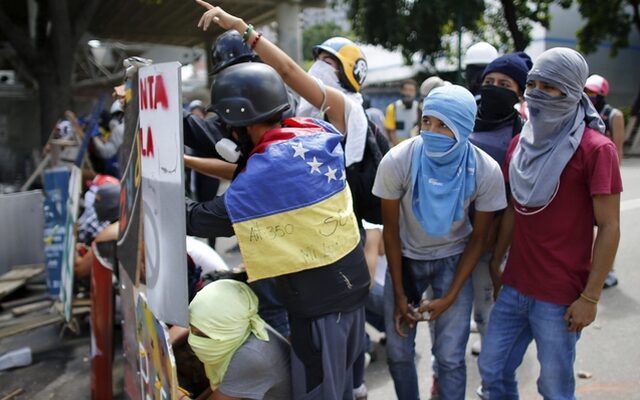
(443, 169)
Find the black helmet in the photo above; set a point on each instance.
(230, 49)
(248, 93)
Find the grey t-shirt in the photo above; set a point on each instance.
(393, 181)
(259, 370)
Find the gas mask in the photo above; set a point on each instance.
(228, 150)
(236, 146)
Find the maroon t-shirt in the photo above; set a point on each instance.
(550, 256)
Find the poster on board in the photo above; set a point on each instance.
(56, 193)
(157, 365)
(69, 249)
(128, 297)
(130, 229)
(161, 149)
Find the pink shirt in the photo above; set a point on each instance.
(550, 256)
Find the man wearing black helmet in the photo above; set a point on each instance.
(291, 210)
(202, 135)
(215, 155)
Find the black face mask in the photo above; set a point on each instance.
(496, 103)
(245, 144)
(598, 102)
(473, 77)
(244, 141)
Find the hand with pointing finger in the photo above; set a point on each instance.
(218, 16)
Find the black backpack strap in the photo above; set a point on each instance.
(607, 110)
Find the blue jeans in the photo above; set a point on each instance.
(515, 321)
(374, 307)
(482, 293)
(323, 353)
(451, 332)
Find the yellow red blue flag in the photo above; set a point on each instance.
(291, 208)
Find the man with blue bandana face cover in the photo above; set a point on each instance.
(427, 184)
(564, 178)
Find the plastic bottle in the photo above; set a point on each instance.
(16, 358)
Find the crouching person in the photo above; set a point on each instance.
(243, 357)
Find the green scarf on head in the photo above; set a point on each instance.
(227, 312)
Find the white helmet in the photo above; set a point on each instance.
(116, 107)
(196, 104)
(429, 84)
(481, 53)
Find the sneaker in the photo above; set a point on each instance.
(434, 389)
(373, 353)
(360, 393)
(611, 281)
(476, 347)
(480, 393)
(473, 327)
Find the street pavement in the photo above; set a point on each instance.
(609, 349)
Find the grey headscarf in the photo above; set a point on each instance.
(555, 126)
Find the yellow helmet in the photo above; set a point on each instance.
(353, 64)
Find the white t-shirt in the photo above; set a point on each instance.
(393, 181)
(205, 256)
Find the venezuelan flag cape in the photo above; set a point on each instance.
(291, 208)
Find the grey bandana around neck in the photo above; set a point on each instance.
(555, 126)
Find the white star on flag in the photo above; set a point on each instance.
(315, 166)
(331, 174)
(344, 175)
(299, 150)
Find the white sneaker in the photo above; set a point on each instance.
(481, 393)
(473, 327)
(476, 348)
(360, 393)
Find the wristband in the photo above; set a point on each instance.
(589, 299)
(247, 33)
(255, 41)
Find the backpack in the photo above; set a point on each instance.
(361, 176)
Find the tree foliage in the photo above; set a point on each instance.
(412, 25)
(610, 21)
(516, 17)
(419, 25)
(49, 55)
(317, 34)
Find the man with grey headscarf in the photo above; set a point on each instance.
(564, 179)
